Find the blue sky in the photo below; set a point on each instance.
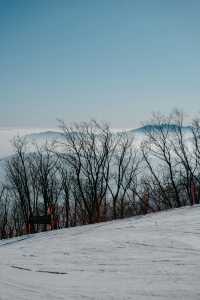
(111, 60)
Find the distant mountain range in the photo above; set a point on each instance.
(56, 135)
(42, 135)
(46, 135)
(49, 136)
(171, 128)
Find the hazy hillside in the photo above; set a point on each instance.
(7, 135)
(38, 135)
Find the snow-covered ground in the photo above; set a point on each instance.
(151, 257)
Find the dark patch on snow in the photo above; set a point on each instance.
(52, 272)
(21, 268)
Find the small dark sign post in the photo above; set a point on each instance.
(46, 220)
(40, 219)
(50, 219)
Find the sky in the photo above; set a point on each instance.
(112, 60)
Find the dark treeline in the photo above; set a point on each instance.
(94, 175)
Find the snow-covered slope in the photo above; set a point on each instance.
(151, 257)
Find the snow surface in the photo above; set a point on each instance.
(156, 256)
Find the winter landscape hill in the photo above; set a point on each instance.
(156, 256)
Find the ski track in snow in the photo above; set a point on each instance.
(156, 256)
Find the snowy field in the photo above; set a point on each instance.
(151, 257)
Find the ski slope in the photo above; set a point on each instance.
(156, 256)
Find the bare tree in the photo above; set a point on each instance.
(157, 146)
(4, 213)
(19, 180)
(44, 169)
(184, 156)
(124, 165)
(88, 147)
(66, 179)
